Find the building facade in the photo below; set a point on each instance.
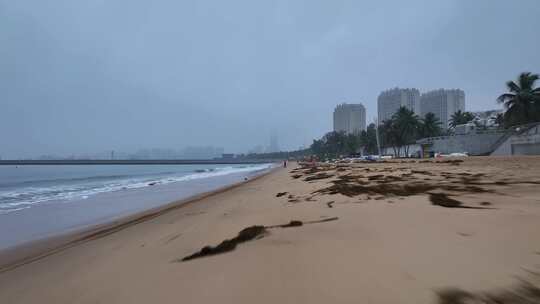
(350, 118)
(390, 101)
(443, 103)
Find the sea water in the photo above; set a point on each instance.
(41, 201)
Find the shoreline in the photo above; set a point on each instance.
(38, 249)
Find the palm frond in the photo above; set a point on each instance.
(513, 87)
(526, 80)
(504, 97)
(522, 102)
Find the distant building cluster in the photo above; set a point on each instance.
(193, 152)
(487, 118)
(350, 118)
(272, 147)
(442, 102)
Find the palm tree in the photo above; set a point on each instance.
(352, 143)
(430, 126)
(368, 138)
(522, 102)
(335, 143)
(499, 120)
(460, 117)
(404, 127)
(388, 135)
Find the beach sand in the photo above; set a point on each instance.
(395, 232)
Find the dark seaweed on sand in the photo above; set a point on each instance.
(441, 199)
(523, 293)
(318, 176)
(351, 185)
(245, 235)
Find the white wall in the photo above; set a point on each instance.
(527, 143)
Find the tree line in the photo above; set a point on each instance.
(398, 132)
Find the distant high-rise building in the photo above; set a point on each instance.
(350, 118)
(391, 100)
(443, 103)
(273, 147)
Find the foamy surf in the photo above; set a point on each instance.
(20, 195)
(41, 201)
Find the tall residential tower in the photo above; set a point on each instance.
(443, 103)
(391, 100)
(350, 118)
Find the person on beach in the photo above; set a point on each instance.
(285, 164)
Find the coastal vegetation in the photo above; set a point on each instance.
(399, 132)
(430, 126)
(460, 117)
(522, 101)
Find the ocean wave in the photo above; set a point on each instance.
(80, 179)
(69, 189)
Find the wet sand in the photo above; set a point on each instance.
(395, 232)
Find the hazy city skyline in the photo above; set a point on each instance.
(84, 77)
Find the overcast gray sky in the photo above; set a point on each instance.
(94, 75)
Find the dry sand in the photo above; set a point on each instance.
(362, 233)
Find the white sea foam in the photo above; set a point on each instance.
(66, 190)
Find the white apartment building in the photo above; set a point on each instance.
(391, 100)
(350, 118)
(443, 103)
